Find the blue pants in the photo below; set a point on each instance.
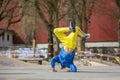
(63, 65)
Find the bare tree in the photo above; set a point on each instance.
(81, 12)
(29, 21)
(8, 13)
(50, 13)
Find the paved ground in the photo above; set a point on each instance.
(43, 73)
(12, 69)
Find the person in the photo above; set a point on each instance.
(67, 52)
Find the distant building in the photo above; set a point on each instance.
(6, 38)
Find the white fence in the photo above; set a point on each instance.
(24, 52)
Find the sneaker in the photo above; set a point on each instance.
(72, 26)
(86, 37)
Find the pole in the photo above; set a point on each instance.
(33, 47)
(119, 34)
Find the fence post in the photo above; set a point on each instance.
(101, 55)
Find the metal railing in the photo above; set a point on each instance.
(107, 57)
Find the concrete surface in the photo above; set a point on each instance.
(43, 73)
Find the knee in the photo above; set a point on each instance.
(54, 59)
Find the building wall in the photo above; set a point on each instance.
(103, 25)
(103, 28)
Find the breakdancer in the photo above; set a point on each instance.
(66, 54)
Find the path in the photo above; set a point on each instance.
(43, 73)
(27, 71)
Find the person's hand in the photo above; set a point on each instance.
(53, 70)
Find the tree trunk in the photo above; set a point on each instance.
(56, 42)
(50, 42)
(78, 44)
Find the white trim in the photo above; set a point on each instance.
(102, 44)
(87, 44)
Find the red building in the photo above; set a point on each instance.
(103, 27)
(103, 23)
